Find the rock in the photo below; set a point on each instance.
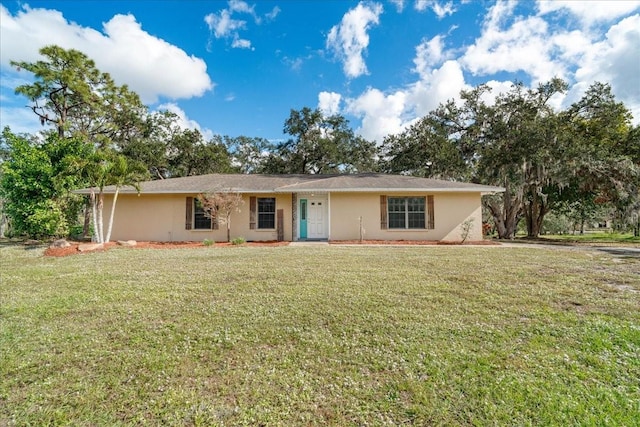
(86, 247)
(60, 243)
(128, 243)
(32, 242)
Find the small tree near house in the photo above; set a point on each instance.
(220, 205)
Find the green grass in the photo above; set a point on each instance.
(290, 336)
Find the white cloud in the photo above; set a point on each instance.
(223, 26)
(616, 60)
(150, 66)
(438, 86)
(273, 14)
(381, 114)
(521, 47)
(184, 122)
(242, 7)
(399, 5)
(441, 9)
(429, 54)
(590, 12)
(329, 103)
(241, 43)
(421, 5)
(19, 119)
(349, 40)
(508, 45)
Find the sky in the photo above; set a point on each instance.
(238, 68)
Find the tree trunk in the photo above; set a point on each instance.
(507, 216)
(534, 214)
(100, 224)
(86, 227)
(94, 215)
(113, 211)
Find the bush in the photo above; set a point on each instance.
(555, 224)
(46, 219)
(208, 242)
(238, 241)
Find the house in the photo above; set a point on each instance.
(302, 207)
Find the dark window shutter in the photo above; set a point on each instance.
(188, 220)
(383, 212)
(430, 218)
(280, 224)
(252, 213)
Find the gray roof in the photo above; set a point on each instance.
(370, 182)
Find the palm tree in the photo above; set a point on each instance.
(108, 168)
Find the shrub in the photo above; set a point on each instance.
(556, 224)
(208, 242)
(238, 241)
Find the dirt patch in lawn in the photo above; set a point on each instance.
(413, 242)
(74, 248)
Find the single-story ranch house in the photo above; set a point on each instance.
(301, 207)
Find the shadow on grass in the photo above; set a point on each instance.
(28, 245)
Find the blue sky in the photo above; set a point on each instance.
(238, 68)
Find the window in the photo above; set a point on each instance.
(267, 212)
(200, 220)
(406, 212)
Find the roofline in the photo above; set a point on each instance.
(395, 190)
(128, 191)
(281, 190)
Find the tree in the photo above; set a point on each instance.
(188, 154)
(521, 152)
(108, 168)
(249, 154)
(73, 95)
(36, 184)
(431, 148)
(320, 145)
(602, 154)
(220, 205)
(510, 143)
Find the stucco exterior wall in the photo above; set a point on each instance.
(149, 217)
(161, 218)
(450, 211)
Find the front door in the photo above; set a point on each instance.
(316, 219)
(313, 218)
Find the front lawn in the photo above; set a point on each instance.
(291, 336)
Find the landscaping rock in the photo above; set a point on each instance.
(86, 247)
(32, 242)
(60, 243)
(128, 243)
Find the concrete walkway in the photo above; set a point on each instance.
(623, 251)
(310, 243)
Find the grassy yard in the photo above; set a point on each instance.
(304, 336)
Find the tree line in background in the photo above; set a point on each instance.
(577, 162)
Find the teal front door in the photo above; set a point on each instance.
(303, 218)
